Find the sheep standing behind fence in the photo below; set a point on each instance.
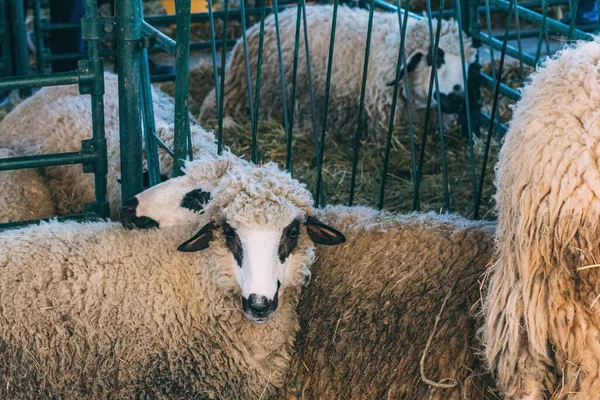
(56, 119)
(347, 72)
(541, 308)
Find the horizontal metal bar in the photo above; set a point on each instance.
(510, 50)
(75, 217)
(47, 160)
(31, 81)
(162, 40)
(497, 125)
(537, 18)
(530, 33)
(505, 90)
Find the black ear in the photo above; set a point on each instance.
(200, 240)
(323, 234)
(411, 65)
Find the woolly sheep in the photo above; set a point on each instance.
(56, 119)
(387, 315)
(347, 69)
(94, 310)
(541, 309)
(25, 194)
(378, 292)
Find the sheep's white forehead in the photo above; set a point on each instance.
(259, 196)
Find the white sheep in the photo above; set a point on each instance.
(56, 119)
(347, 70)
(96, 310)
(541, 310)
(370, 311)
(25, 195)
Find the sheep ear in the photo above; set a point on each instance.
(411, 64)
(323, 234)
(200, 240)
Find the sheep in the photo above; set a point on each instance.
(379, 291)
(56, 119)
(26, 195)
(541, 311)
(347, 70)
(387, 315)
(93, 310)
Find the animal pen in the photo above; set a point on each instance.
(500, 29)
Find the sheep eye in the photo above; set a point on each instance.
(294, 232)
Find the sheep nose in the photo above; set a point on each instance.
(258, 304)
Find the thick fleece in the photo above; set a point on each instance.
(93, 310)
(372, 305)
(56, 119)
(541, 309)
(23, 194)
(347, 69)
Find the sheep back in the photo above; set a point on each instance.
(372, 304)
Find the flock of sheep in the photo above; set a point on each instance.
(226, 282)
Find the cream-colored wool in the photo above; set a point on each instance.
(371, 306)
(93, 310)
(56, 119)
(542, 314)
(23, 194)
(346, 78)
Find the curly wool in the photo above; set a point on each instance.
(249, 195)
(56, 119)
(25, 194)
(373, 301)
(347, 69)
(541, 311)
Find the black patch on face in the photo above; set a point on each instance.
(233, 242)
(195, 200)
(289, 240)
(440, 58)
(410, 67)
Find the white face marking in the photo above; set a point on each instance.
(261, 268)
(450, 74)
(162, 202)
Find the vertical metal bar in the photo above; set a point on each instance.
(288, 154)
(211, 19)
(311, 90)
(457, 6)
(573, 5)
(98, 133)
(401, 57)
(148, 115)
(182, 69)
(538, 51)
(513, 4)
(321, 142)
(39, 36)
(361, 107)
(258, 74)
(432, 80)
(286, 125)
(519, 47)
(247, 61)
(490, 36)
(20, 42)
(222, 87)
(129, 31)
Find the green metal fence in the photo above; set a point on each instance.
(136, 37)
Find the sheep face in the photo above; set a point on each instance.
(449, 66)
(258, 219)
